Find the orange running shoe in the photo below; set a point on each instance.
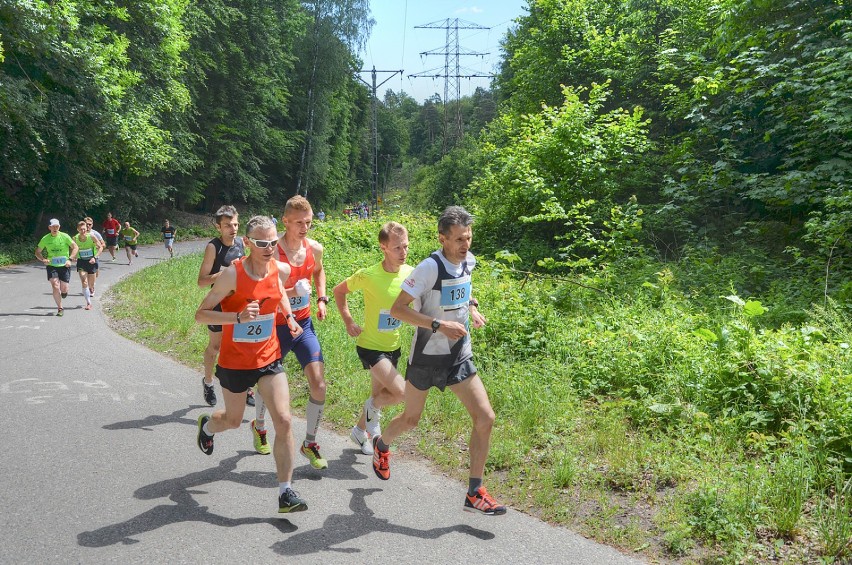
(483, 503)
(381, 461)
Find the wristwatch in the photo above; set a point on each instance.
(436, 325)
(323, 299)
(473, 302)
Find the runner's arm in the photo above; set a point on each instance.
(38, 255)
(283, 275)
(340, 291)
(319, 279)
(204, 276)
(74, 250)
(401, 310)
(225, 285)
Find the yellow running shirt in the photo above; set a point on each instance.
(380, 329)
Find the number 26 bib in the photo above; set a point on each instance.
(257, 330)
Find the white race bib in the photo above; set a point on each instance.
(387, 323)
(59, 261)
(86, 253)
(255, 331)
(455, 293)
(300, 302)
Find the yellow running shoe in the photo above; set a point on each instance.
(260, 444)
(311, 452)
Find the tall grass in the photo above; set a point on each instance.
(653, 419)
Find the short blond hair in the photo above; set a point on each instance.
(299, 203)
(389, 228)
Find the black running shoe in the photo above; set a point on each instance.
(205, 442)
(250, 398)
(209, 393)
(63, 294)
(290, 502)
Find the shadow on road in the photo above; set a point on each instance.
(147, 423)
(338, 529)
(186, 508)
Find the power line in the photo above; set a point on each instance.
(452, 71)
(375, 129)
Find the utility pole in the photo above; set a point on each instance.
(452, 73)
(375, 130)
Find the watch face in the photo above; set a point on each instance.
(436, 325)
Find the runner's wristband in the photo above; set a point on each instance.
(238, 317)
(473, 302)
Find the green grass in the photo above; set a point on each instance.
(655, 419)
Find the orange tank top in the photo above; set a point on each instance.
(301, 305)
(252, 344)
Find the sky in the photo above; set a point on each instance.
(395, 44)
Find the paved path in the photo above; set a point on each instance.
(99, 464)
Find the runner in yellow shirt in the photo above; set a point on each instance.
(129, 237)
(87, 260)
(378, 339)
(61, 250)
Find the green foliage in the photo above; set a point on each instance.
(86, 91)
(563, 162)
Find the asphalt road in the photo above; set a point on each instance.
(99, 464)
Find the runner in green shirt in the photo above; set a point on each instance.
(61, 250)
(87, 260)
(129, 236)
(378, 339)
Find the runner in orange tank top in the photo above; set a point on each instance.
(249, 292)
(304, 256)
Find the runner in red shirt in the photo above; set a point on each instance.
(111, 227)
(250, 292)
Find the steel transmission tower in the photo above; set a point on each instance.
(374, 132)
(453, 72)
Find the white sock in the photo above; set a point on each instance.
(282, 487)
(259, 412)
(205, 429)
(313, 416)
(87, 295)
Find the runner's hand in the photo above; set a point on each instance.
(453, 330)
(353, 329)
(298, 328)
(478, 319)
(302, 287)
(251, 310)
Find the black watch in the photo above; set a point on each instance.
(323, 299)
(436, 325)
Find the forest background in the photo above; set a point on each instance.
(663, 203)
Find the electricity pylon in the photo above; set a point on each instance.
(375, 131)
(453, 71)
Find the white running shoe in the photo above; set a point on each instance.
(373, 417)
(362, 440)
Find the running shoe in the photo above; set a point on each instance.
(60, 312)
(205, 442)
(373, 417)
(311, 452)
(362, 440)
(483, 503)
(92, 293)
(259, 437)
(63, 294)
(381, 461)
(250, 398)
(289, 501)
(209, 393)
(87, 307)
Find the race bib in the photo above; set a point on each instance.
(455, 293)
(300, 302)
(86, 253)
(257, 330)
(168, 236)
(58, 261)
(128, 238)
(387, 323)
(110, 232)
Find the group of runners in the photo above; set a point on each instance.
(59, 252)
(259, 308)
